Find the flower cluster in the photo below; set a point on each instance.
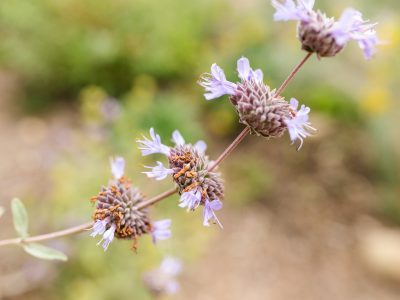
(189, 168)
(117, 215)
(324, 35)
(162, 280)
(258, 107)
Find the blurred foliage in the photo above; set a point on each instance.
(129, 65)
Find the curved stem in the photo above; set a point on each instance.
(158, 198)
(291, 75)
(48, 236)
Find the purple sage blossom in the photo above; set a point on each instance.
(316, 30)
(291, 10)
(189, 169)
(209, 214)
(162, 280)
(117, 167)
(153, 145)
(352, 26)
(201, 147)
(190, 200)
(260, 108)
(177, 138)
(108, 237)
(171, 266)
(246, 72)
(160, 230)
(299, 127)
(99, 227)
(215, 83)
(158, 172)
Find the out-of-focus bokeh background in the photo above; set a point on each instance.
(80, 81)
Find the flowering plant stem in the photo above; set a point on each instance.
(160, 197)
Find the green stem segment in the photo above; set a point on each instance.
(158, 198)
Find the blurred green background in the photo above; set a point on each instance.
(80, 81)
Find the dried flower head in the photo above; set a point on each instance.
(323, 35)
(116, 214)
(162, 280)
(189, 169)
(260, 108)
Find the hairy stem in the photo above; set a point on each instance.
(160, 197)
(48, 236)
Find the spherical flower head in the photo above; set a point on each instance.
(323, 35)
(257, 105)
(188, 167)
(117, 214)
(261, 109)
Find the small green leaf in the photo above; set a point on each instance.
(1, 211)
(43, 252)
(20, 217)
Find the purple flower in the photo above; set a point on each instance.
(317, 28)
(209, 214)
(177, 138)
(298, 126)
(352, 26)
(158, 172)
(108, 237)
(216, 84)
(171, 266)
(99, 227)
(160, 230)
(201, 147)
(162, 280)
(152, 146)
(289, 10)
(117, 167)
(246, 72)
(190, 199)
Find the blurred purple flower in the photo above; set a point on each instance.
(177, 138)
(153, 145)
(117, 167)
(190, 199)
(246, 72)
(215, 83)
(158, 172)
(209, 214)
(99, 227)
(161, 230)
(162, 280)
(352, 26)
(299, 127)
(108, 236)
(316, 30)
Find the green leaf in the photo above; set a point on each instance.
(1, 211)
(20, 217)
(43, 252)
